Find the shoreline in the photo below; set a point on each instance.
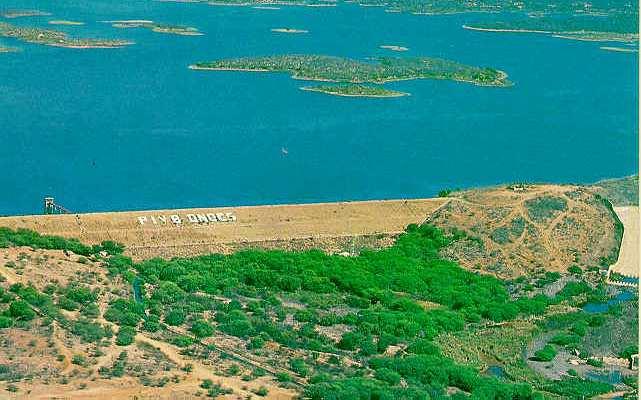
(569, 35)
(473, 28)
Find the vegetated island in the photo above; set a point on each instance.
(65, 22)
(289, 30)
(155, 27)
(380, 70)
(393, 47)
(354, 90)
(56, 38)
(24, 13)
(8, 49)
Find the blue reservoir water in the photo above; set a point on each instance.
(133, 128)
(622, 297)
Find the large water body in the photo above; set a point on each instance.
(134, 128)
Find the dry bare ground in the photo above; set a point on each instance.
(334, 227)
(517, 230)
(628, 262)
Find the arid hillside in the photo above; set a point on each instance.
(519, 229)
(82, 360)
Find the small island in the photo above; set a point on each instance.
(24, 13)
(56, 38)
(155, 27)
(8, 49)
(380, 70)
(393, 47)
(354, 90)
(619, 49)
(289, 30)
(65, 22)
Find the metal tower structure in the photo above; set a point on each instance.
(50, 207)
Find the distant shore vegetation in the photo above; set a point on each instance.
(380, 70)
(613, 26)
(24, 13)
(354, 90)
(603, 20)
(56, 38)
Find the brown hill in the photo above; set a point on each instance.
(518, 229)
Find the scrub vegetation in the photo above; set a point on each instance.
(394, 323)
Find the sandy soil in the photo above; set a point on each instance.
(628, 262)
(315, 223)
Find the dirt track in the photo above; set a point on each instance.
(325, 225)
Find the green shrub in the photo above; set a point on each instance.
(547, 353)
(79, 359)
(201, 328)
(126, 336)
(5, 322)
(21, 310)
(595, 363)
(388, 376)
(575, 269)
(175, 317)
(299, 367)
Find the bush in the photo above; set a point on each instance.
(261, 391)
(79, 359)
(201, 328)
(5, 322)
(628, 351)
(90, 332)
(283, 377)
(547, 353)
(125, 312)
(595, 363)
(21, 310)
(575, 269)
(299, 367)
(388, 376)
(175, 318)
(182, 341)
(126, 336)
